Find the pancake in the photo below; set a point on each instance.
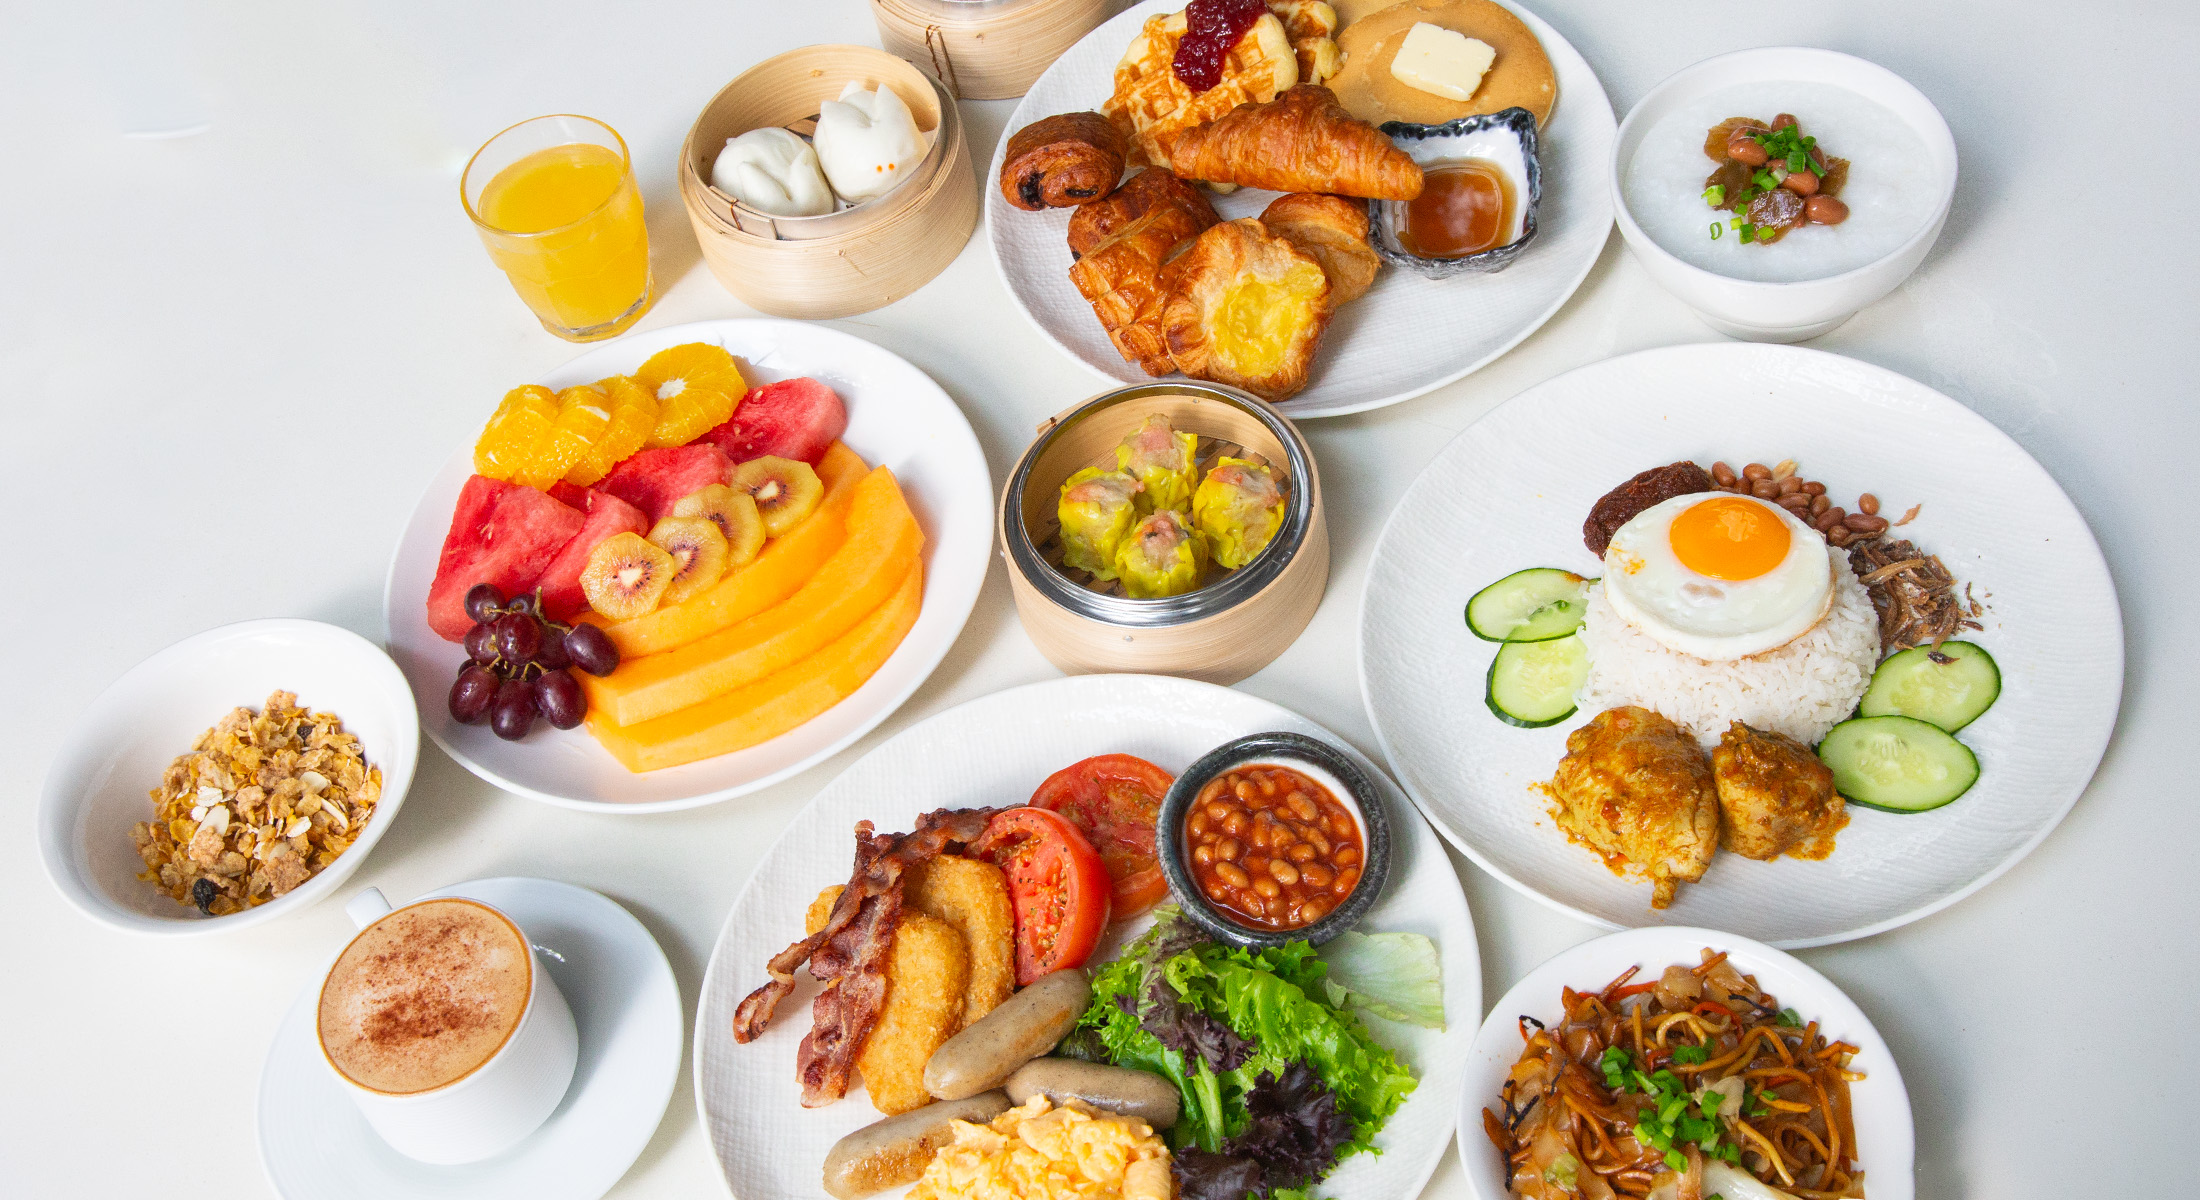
(1520, 77)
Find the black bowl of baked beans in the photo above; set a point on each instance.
(1274, 838)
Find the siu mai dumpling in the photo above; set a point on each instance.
(1096, 510)
(1161, 556)
(1162, 459)
(1238, 508)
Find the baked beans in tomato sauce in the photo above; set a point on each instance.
(1272, 847)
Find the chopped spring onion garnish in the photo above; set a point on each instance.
(1691, 1056)
(1714, 231)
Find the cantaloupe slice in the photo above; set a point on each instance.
(786, 563)
(883, 542)
(756, 713)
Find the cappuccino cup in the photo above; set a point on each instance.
(444, 1029)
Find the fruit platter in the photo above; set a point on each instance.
(689, 564)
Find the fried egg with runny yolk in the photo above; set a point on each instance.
(1719, 576)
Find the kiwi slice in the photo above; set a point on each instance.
(735, 516)
(626, 576)
(699, 550)
(785, 491)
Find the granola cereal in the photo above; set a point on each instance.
(261, 804)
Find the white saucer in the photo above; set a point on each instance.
(316, 1146)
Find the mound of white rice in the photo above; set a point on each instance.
(1801, 689)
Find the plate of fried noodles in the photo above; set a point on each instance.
(1677, 1063)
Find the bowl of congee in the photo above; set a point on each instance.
(1777, 191)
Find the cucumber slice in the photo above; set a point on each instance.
(1897, 764)
(1535, 605)
(1950, 693)
(1532, 684)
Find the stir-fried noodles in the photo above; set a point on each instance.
(1667, 1090)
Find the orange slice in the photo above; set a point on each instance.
(696, 387)
(633, 416)
(583, 414)
(507, 443)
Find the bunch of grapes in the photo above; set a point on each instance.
(516, 665)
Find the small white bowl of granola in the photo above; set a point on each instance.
(235, 776)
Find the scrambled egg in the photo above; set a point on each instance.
(1034, 1153)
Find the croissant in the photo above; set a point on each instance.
(1146, 191)
(1245, 307)
(1333, 230)
(1301, 141)
(1063, 160)
(1122, 280)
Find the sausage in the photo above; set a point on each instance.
(1140, 1094)
(1023, 1027)
(896, 1150)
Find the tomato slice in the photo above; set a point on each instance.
(1114, 800)
(1057, 886)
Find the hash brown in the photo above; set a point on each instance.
(971, 896)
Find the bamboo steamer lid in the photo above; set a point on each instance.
(851, 261)
(986, 49)
(1219, 633)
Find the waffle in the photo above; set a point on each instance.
(1311, 27)
(1151, 106)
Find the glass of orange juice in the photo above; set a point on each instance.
(555, 202)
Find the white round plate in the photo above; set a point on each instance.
(992, 752)
(1880, 1105)
(1407, 335)
(316, 1145)
(897, 417)
(1512, 491)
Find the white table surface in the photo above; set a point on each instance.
(232, 360)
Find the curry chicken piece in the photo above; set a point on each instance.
(1774, 795)
(1636, 786)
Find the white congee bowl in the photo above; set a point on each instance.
(1783, 312)
(97, 786)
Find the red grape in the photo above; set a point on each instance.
(481, 643)
(560, 700)
(481, 601)
(518, 637)
(591, 650)
(513, 712)
(471, 694)
(552, 655)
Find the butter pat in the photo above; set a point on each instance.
(1442, 62)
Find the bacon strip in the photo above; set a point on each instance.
(850, 954)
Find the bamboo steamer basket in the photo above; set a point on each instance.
(1219, 633)
(849, 261)
(986, 49)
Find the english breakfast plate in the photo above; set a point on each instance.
(993, 752)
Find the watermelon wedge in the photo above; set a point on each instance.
(653, 479)
(562, 596)
(794, 418)
(501, 533)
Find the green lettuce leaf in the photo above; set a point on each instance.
(1396, 976)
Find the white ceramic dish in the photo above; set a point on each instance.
(1783, 312)
(315, 1144)
(1407, 335)
(995, 751)
(1511, 492)
(96, 787)
(897, 417)
(1881, 1106)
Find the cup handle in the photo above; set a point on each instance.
(367, 907)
